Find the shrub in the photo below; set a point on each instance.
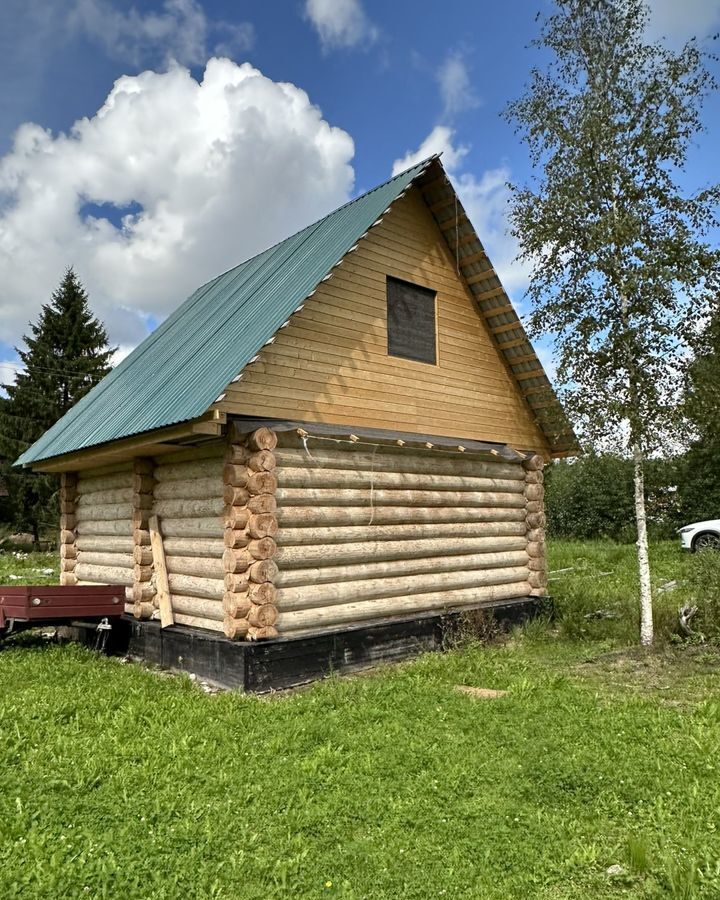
(704, 590)
(592, 497)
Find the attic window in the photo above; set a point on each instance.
(411, 321)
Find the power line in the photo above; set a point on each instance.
(22, 370)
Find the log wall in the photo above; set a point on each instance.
(271, 535)
(68, 528)
(103, 520)
(369, 533)
(187, 500)
(143, 589)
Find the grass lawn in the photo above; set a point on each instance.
(119, 782)
(19, 567)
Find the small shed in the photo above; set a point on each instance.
(349, 428)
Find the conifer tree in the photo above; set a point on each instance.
(65, 355)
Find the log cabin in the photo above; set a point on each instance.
(346, 429)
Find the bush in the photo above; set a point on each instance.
(593, 498)
(589, 498)
(704, 589)
(698, 480)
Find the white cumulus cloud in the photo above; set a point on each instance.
(170, 183)
(486, 200)
(340, 23)
(440, 140)
(8, 370)
(456, 90)
(179, 31)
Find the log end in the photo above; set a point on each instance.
(262, 461)
(236, 584)
(262, 634)
(235, 629)
(534, 492)
(236, 605)
(533, 463)
(143, 609)
(262, 439)
(262, 483)
(262, 616)
(262, 593)
(263, 570)
(262, 525)
(264, 548)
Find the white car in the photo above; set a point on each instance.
(701, 535)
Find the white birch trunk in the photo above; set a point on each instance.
(646, 609)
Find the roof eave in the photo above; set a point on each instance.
(148, 443)
(495, 307)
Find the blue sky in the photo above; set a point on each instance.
(165, 182)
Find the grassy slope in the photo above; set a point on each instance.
(122, 783)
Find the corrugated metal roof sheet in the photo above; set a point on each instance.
(179, 370)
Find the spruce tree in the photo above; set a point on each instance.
(65, 355)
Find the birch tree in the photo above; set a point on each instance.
(622, 267)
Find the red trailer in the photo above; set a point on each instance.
(29, 606)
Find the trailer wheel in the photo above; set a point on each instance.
(7, 628)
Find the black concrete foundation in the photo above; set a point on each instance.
(288, 662)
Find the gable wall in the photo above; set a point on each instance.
(331, 363)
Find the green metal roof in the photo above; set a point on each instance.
(179, 370)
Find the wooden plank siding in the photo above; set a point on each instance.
(331, 364)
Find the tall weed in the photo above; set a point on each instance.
(704, 592)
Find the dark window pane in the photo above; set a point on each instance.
(410, 321)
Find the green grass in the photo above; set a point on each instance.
(121, 782)
(20, 567)
(589, 576)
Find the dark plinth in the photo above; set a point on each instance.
(287, 662)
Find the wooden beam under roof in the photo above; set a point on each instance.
(495, 311)
(473, 258)
(525, 358)
(434, 183)
(506, 326)
(467, 238)
(490, 293)
(148, 443)
(515, 342)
